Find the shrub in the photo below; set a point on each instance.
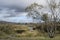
(6, 29)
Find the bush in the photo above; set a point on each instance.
(6, 29)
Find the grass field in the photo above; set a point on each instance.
(5, 33)
(32, 38)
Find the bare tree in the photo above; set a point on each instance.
(54, 8)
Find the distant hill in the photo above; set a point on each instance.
(5, 22)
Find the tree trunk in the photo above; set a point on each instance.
(51, 30)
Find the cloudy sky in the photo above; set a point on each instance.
(13, 10)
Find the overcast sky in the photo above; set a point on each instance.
(16, 9)
(20, 3)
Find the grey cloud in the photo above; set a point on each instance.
(10, 9)
(15, 7)
(18, 5)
